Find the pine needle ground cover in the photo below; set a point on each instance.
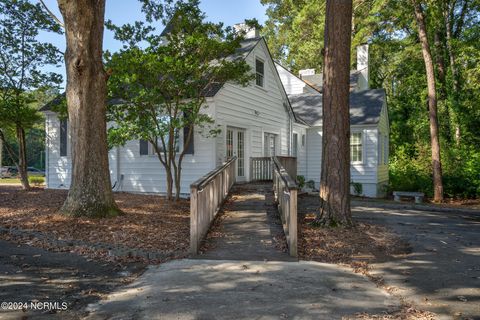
(151, 228)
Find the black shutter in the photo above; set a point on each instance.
(190, 148)
(143, 147)
(63, 137)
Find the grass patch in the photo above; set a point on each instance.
(35, 180)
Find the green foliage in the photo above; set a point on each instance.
(294, 30)
(301, 181)
(357, 188)
(310, 184)
(160, 80)
(22, 74)
(412, 172)
(36, 181)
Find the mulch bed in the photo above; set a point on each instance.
(150, 224)
(351, 246)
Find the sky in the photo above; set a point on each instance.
(127, 11)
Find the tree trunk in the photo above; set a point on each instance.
(432, 103)
(440, 62)
(22, 158)
(90, 190)
(169, 184)
(454, 70)
(335, 176)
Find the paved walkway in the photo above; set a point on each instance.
(249, 229)
(216, 289)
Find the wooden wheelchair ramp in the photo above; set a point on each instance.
(248, 227)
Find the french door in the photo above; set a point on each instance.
(236, 147)
(270, 144)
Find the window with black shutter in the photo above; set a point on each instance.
(189, 149)
(63, 137)
(143, 147)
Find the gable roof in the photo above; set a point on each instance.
(246, 46)
(365, 107)
(316, 80)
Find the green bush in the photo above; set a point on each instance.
(36, 181)
(461, 172)
(301, 181)
(310, 184)
(357, 188)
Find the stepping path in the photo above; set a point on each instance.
(249, 229)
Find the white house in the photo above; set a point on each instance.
(368, 122)
(266, 118)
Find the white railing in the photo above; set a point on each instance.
(285, 190)
(206, 197)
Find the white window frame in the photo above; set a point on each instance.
(277, 142)
(151, 150)
(259, 74)
(295, 144)
(362, 147)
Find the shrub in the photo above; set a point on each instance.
(301, 181)
(461, 172)
(310, 184)
(36, 181)
(357, 188)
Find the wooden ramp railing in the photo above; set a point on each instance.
(206, 197)
(261, 169)
(285, 190)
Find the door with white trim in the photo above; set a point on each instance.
(236, 147)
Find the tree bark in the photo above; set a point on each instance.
(440, 62)
(335, 176)
(454, 70)
(22, 158)
(90, 190)
(432, 103)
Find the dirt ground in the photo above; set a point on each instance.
(29, 274)
(149, 224)
(48, 257)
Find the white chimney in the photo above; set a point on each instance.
(362, 66)
(250, 32)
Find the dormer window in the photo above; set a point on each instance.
(260, 72)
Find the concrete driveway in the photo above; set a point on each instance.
(442, 274)
(216, 289)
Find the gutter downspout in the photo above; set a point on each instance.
(47, 147)
(119, 178)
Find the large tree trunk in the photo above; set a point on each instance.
(90, 190)
(22, 158)
(335, 176)
(432, 103)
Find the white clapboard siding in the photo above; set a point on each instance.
(292, 83)
(58, 168)
(257, 110)
(364, 173)
(140, 173)
(301, 150)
